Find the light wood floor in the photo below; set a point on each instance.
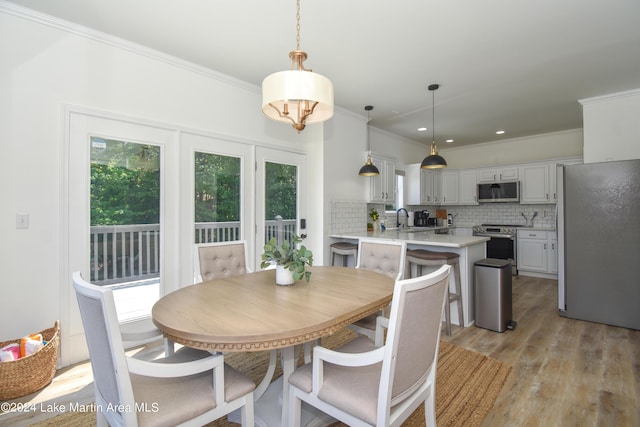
(565, 372)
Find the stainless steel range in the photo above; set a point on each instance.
(503, 241)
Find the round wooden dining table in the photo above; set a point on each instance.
(251, 313)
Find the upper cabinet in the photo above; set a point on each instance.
(508, 173)
(382, 187)
(468, 187)
(535, 186)
(538, 182)
(460, 187)
(419, 187)
(449, 183)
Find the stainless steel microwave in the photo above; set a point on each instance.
(499, 192)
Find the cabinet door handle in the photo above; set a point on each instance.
(553, 246)
(547, 196)
(545, 246)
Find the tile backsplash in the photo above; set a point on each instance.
(353, 215)
(347, 216)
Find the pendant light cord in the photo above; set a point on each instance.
(298, 25)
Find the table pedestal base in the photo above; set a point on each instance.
(268, 410)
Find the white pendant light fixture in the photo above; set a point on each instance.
(369, 169)
(297, 96)
(433, 160)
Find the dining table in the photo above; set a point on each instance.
(250, 312)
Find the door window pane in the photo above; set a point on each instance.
(217, 198)
(281, 195)
(125, 221)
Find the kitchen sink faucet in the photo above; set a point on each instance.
(398, 217)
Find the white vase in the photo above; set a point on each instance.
(284, 276)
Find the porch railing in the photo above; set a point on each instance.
(129, 253)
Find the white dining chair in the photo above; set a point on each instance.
(189, 388)
(367, 383)
(382, 256)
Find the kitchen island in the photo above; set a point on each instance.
(470, 249)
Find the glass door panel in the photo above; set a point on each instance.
(280, 203)
(124, 240)
(217, 198)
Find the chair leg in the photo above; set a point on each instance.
(430, 410)
(295, 405)
(247, 413)
(447, 315)
(456, 270)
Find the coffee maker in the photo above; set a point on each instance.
(420, 218)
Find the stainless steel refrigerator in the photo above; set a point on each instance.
(599, 242)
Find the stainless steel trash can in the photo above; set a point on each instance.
(493, 294)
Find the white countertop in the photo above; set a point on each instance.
(417, 238)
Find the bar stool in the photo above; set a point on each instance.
(344, 249)
(423, 257)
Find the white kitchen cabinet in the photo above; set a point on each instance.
(382, 187)
(450, 187)
(535, 183)
(435, 177)
(420, 185)
(552, 260)
(509, 173)
(468, 187)
(537, 253)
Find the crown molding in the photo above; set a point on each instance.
(609, 97)
(119, 43)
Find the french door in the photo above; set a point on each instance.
(218, 195)
(280, 197)
(121, 227)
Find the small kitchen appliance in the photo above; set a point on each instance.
(420, 218)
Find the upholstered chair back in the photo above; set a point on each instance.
(416, 334)
(381, 256)
(220, 260)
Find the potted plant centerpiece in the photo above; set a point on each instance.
(290, 260)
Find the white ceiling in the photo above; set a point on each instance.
(519, 65)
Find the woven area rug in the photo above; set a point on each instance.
(468, 384)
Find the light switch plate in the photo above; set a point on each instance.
(22, 220)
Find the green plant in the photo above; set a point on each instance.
(289, 256)
(373, 213)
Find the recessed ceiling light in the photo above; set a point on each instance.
(449, 140)
(421, 129)
(500, 132)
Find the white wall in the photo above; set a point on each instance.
(516, 150)
(47, 67)
(612, 127)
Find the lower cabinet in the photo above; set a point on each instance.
(537, 253)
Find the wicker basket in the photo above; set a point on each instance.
(30, 373)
